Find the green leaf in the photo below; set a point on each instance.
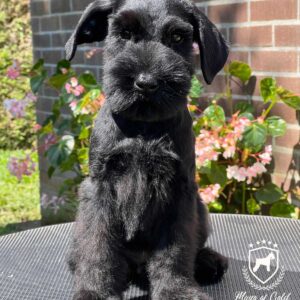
(215, 172)
(243, 107)
(83, 155)
(196, 89)
(88, 80)
(69, 142)
(197, 125)
(38, 66)
(289, 98)
(58, 81)
(255, 137)
(62, 64)
(269, 194)
(215, 206)
(268, 87)
(58, 153)
(85, 133)
(214, 116)
(50, 171)
(63, 126)
(276, 126)
(218, 174)
(283, 209)
(252, 206)
(247, 115)
(240, 70)
(37, 81)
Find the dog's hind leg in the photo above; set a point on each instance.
(210, 265)
(99, 267)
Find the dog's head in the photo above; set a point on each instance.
(148, 52)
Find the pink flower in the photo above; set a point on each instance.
(89, 54)
(210, 193)
(73, 105)
(13, 72)
(243, 173)
(269, 149)
(229, 145)
(15, 107)
(74, 88)
(234, 172)
(64, 70)
(266, 156)
(207, 146)
(259, 168)
(36, 127)
(260, 120)
(31, 97)
(239, 125)
(196, 49)
(251, 173)
(21, 166)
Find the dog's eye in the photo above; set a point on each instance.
(126, 35)
(176, 38)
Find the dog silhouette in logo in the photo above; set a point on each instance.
(264, 262)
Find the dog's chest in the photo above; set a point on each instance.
(142, 174)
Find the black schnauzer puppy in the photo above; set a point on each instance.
(139, 208)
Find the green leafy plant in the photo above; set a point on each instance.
(232, 155)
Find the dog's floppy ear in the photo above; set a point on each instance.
(213, 48)
(92, 26)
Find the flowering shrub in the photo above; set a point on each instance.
(21, 166)
(231, 153)
(15, 61)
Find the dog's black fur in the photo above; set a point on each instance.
(139, 208)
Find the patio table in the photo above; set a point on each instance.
(32, 263)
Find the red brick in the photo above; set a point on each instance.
(273, 10)
(274, 61)
(287, 35)
(292, 84)
(251, 36)
(229, 13)
(217, 86)
(285, 112)
(290, 139)
(238, 55)
(282, 181)
(282, 162)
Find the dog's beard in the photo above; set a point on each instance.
(172, 73)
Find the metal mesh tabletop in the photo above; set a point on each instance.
(32, 263)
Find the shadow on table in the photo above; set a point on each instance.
(15, 227)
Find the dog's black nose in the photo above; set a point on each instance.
(146, 83)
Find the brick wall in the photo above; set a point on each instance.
(263, 33)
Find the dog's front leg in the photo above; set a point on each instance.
(170, 270)
(96, 258)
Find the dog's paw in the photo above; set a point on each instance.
(210, 266)
(187, 293)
